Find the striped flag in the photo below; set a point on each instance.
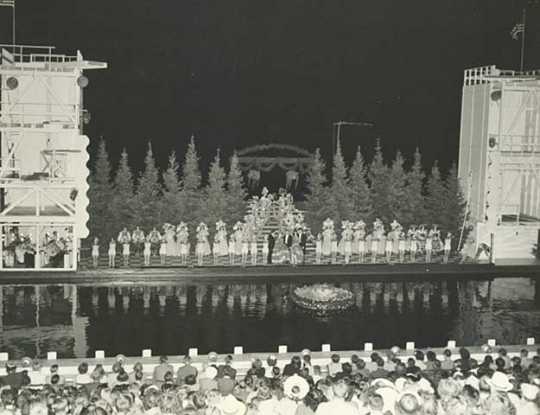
(7, 3)
(518, 28)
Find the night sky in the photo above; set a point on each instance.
(244, 72)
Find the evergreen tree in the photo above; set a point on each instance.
(236, 192)
(361, 197)
(454, 210)
(190, 195)
(214, 207)
(378, 178)
(100, 193)
(340, 191)
(396, 200)
(414, 195)
(317, 196)
(434, 200)
(171, 210)
(122, 201)
(147, 200)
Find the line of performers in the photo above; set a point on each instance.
(174, 241)
(417, 240)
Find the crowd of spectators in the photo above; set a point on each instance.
(379, 385)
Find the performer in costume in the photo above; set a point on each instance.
(232, 249)
(125, 238)
(401, 247)
(155, 240)
(253, 248)
(112, 253)
(203, 247)
(138, 241)
(413, 247)
(428, 247)
(388, 249)
(318, 248)
(271, 244)
(169, 234)
(447, 247)
(163, 249)
(95, 252)
(327, 238)
(147, 251)
(182, 238)
(346, 240)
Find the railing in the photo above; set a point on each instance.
(483, 74)
(35, 54)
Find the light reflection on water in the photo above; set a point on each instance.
(77, 320)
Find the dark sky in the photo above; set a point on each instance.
(243, 72)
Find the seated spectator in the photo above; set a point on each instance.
(54, 371)
(380, 372)
(338, 403)
(334, 367)
(207, 380)
(447, 363)
(257, 370)
(293, 367)
(161, 369)
(227, 369)
(525, 360)
(185, 370)
(411, 366)
(419, 357)
(83, 378)
(432, 362)
(36, 376)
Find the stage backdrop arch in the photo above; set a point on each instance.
(265, 157)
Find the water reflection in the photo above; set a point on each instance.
(77, 320)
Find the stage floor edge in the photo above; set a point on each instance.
(276, 273)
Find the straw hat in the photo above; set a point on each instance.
(500, 382)
(229, 405)
(295, 387)
(210, 372)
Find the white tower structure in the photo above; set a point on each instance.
(43, 172)
(499, 158)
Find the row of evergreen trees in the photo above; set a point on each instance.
(384, 191)
(362, 191)
(152, 198)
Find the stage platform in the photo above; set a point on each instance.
(275, 273)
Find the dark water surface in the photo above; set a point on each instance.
(77, 320)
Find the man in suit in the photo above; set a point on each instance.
(271, 242)
(226, 369)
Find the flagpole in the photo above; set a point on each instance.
(523, 39)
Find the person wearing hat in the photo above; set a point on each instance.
(161, 369)
(295, 388)
(207, 380)
(408, 403)
(338, 403)
(13, 378)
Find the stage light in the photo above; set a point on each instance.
(82, 81)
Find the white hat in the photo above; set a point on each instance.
(212, 356)
(296, 387)
(210, 372)
(424, 386)
(389, 396)
(500, 382)
(305, 352)
(529, 392)
(229, 405)
(382, 383)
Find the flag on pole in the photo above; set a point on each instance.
(7, 3)
(518, 28)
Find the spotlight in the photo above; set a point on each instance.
(82, 81)
(12, 83)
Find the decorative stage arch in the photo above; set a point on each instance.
(294, 161)
(265, 157)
